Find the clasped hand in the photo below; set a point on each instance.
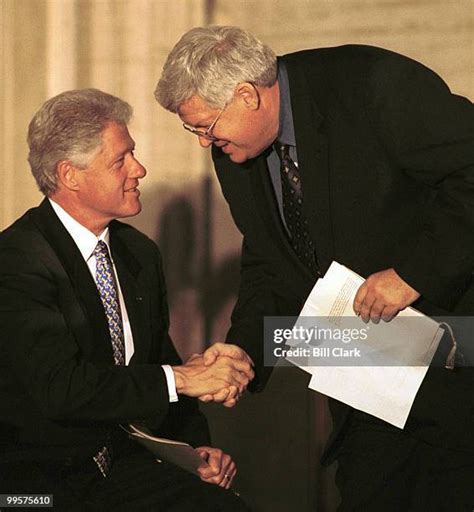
(220, 374)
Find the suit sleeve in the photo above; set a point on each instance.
(260, 295)
(184, 420)
(430, 133)
(40, 351)
(263, 290)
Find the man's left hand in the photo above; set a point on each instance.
(383, 295)
(221, 470)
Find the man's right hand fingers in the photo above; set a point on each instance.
(235, 378)
(239, 366)
(227, 396)
(223, 394)
(206, 398)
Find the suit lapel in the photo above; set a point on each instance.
(312, 147)
(252, 179)
(262, 187)
(135, 296)
(97, 341)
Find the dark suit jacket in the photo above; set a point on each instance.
(61, 396)
(386, 155)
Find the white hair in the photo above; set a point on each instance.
(209, 62)
(69, 126)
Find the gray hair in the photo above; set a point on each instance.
(209, 62)
(69, 126)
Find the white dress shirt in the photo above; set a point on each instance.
(86, 242)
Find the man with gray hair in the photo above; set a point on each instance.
(363, 156)
(84, 338)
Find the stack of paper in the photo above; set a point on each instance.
(396, 354)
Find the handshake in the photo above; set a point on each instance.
(219, 374)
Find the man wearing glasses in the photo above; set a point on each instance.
(363, 156)
(205, 133)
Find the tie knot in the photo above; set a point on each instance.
(283, 150)
(101, 250)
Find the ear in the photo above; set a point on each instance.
(68, 175)
(248, 94)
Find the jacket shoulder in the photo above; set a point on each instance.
(353, 63)
(23, 232)
(345, 54)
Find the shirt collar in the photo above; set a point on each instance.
(85, 240)
(286, 132)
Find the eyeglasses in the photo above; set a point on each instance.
(205, 133)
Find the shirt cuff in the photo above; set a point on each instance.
(169, 374)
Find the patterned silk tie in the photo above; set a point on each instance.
(293, 208)
(106, 285)
(105, 281)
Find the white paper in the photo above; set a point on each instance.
(387, 391)
(176, 452)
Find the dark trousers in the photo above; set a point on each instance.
(136, 481)
(382, 468)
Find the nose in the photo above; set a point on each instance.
(138, 171)
(204, 143)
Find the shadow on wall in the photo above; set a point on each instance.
(202, 286)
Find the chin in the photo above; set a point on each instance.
(241, 153)
(241, 156)
(131, 212)
(238, 159)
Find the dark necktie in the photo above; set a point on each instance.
(293, 208)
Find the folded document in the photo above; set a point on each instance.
(176, 452)
(395, 355)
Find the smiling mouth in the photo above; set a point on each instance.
(134, 189)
